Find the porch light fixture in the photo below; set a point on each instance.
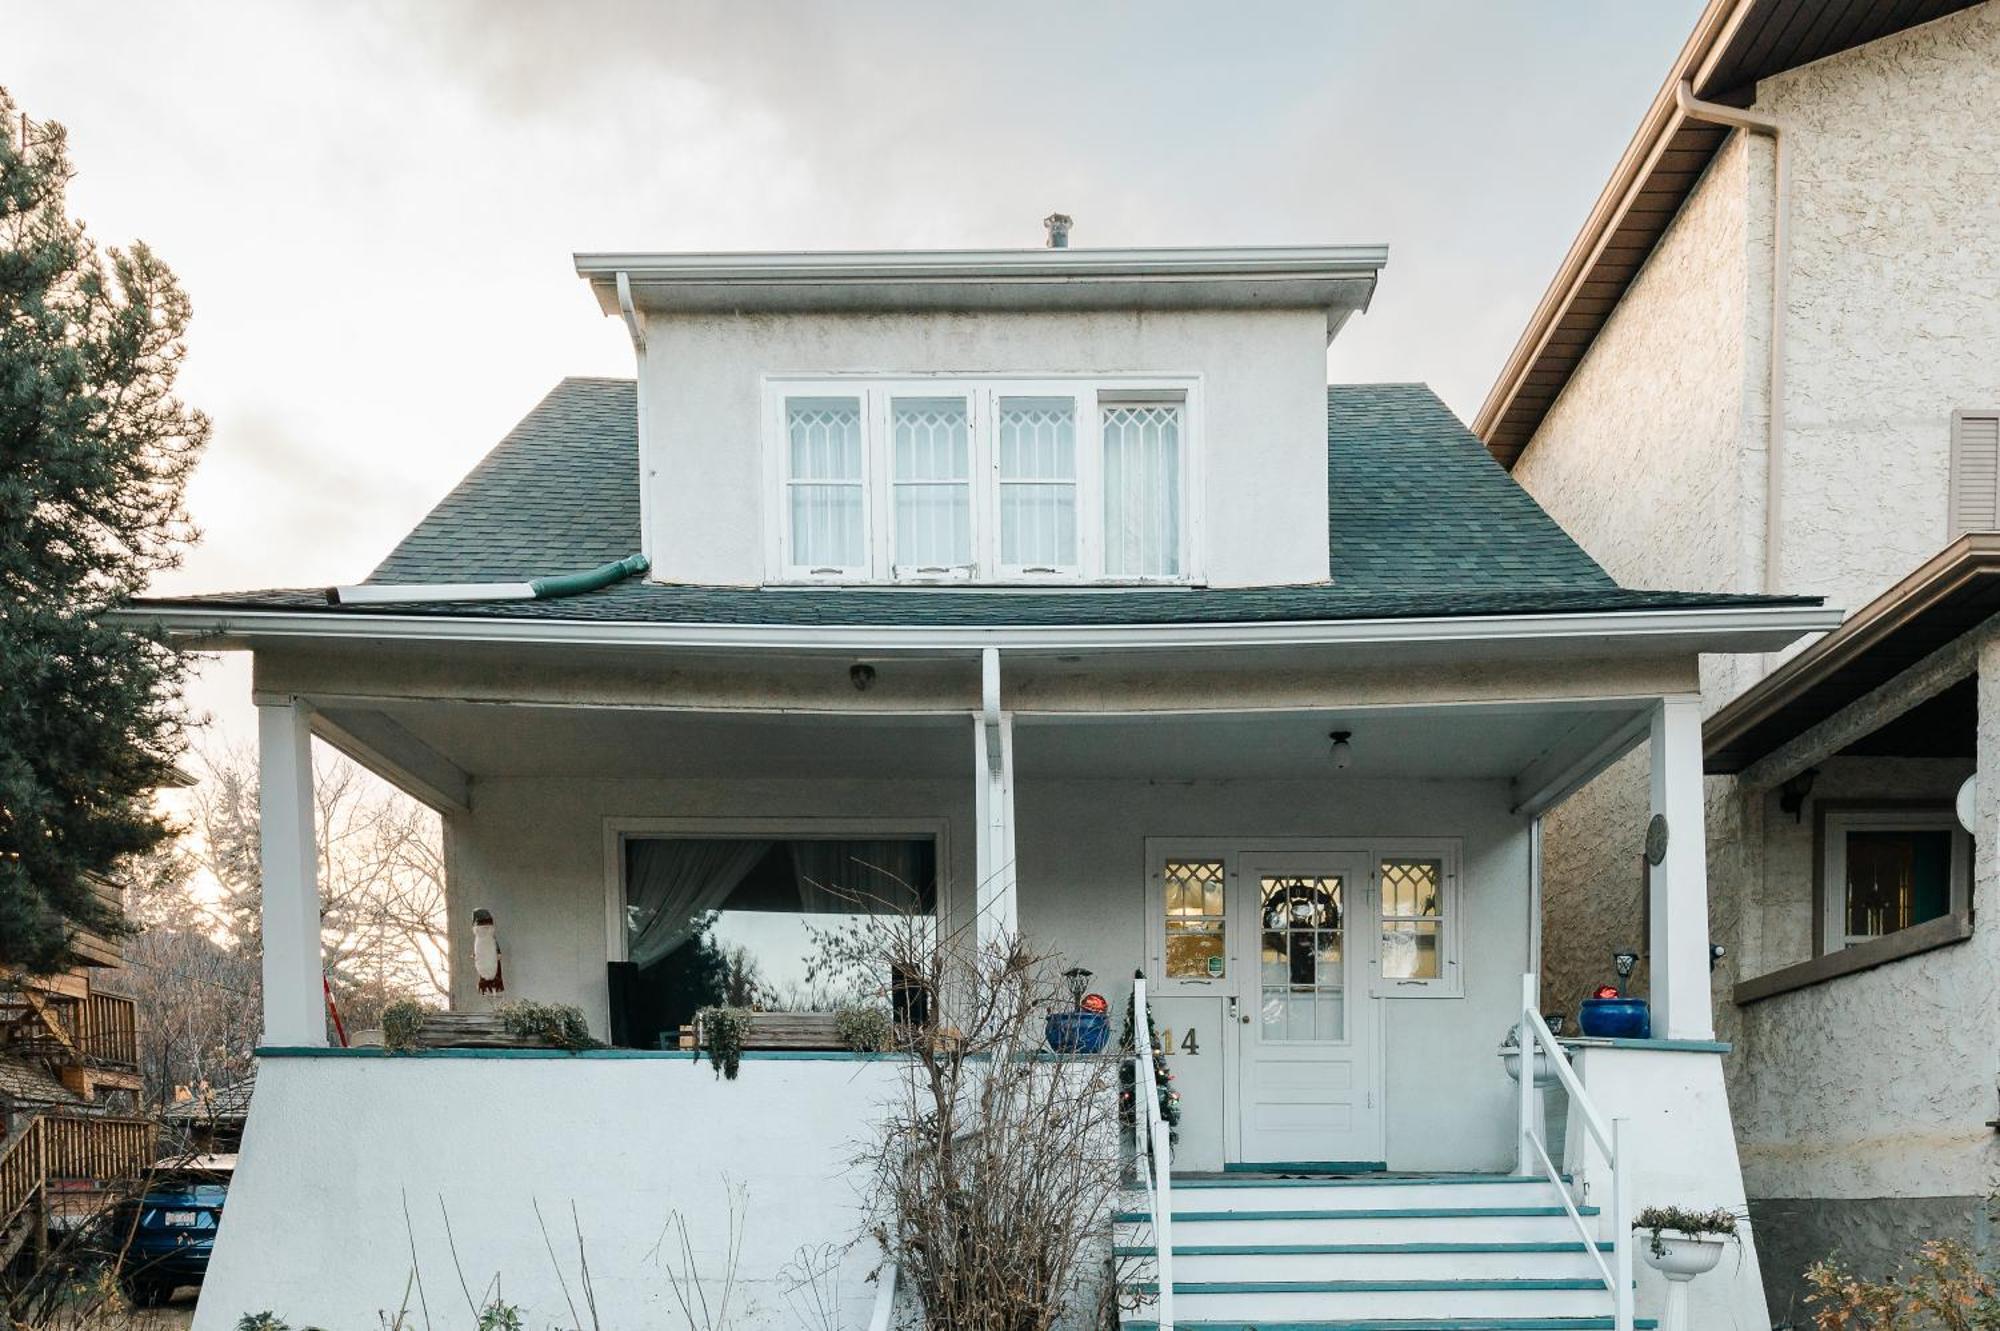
(1792, 795)
(1626, 962)
(862, 674)
(1343, 752)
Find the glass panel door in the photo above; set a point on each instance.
(1303, 971)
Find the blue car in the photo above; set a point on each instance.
(169, 1246)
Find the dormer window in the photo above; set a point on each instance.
(993, 480)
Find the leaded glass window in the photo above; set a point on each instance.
(1412, 919)
(1038, 484)
(1142, 489)
(933, 483)
(1196, 898)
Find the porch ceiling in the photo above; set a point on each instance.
(1524, 744)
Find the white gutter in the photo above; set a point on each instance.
(1754, 122)
(958, 265)
(1768, 628)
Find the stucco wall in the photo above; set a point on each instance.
(1872, 1088)
(533, 852)
(1894, 315)
(352, 1168)
(1638, 457)
(1262, 434)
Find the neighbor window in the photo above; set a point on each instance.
(1886, 870)
(1015, 479)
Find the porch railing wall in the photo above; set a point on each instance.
(1537, 1044)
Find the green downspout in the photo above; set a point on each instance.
(575, 584)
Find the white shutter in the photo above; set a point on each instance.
(1975, 472)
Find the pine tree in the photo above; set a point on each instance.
(95, 451)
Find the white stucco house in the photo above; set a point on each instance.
(1063, 581)
(1772, 359)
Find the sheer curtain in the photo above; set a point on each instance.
(670, 884)
(1038, 482)
(933, 481)
(859, 877)
(823, 435)
(1142, 489)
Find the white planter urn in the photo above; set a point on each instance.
(1545, 1076)
(1680, 1258)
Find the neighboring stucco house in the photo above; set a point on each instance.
(1061, 581)
(1850, 450)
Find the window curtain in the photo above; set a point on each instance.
(859, 877)
(1142, 490)
(671, 884)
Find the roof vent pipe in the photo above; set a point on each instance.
(1057, 225)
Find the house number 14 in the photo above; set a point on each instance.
(1189, 1045)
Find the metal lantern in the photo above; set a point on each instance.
(1078, 981)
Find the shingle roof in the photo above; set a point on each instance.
(27, 1080)
(1423, 523)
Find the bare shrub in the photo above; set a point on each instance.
(996, 1168)
(1944, 1289)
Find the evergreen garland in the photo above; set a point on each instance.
(1170, 1099)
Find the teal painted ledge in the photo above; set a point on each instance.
(1658, 1046)
(657, 1055)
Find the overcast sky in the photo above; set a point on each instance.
(373, 205)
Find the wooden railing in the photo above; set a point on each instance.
(71, 1147)
(107, 1030)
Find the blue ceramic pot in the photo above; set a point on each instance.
(1078, 1032)
(1616, 1019)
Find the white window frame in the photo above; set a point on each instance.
(1838, 823)
(982, 391)
(1450, 979)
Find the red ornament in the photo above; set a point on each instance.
(1605, 991)
(1094, 1003)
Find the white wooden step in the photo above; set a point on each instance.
(1372, 1261)
(1196, 1228)
(1388, 1300)
(1362, 1192)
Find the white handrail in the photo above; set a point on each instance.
(1534, 1036)
(1157, 1162)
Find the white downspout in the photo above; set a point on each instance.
(635, 327)
(1781, 243)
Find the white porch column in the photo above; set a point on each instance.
(294, 1005)
(993, 785)
(1678, 943)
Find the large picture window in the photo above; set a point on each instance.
(773, 924)
(1014, 480)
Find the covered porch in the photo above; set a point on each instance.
(1334, 940)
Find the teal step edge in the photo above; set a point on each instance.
(1353, 1249)
(1405, 1324)
(1387, 1213)
(1308, 1167)
(1364, 1181)
(1474, 1285)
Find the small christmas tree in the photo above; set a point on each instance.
(1163, 1080)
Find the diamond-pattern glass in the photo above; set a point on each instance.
(1195, 898)
(1142, 489)
(1412, 918)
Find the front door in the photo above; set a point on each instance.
(1306, 1026)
